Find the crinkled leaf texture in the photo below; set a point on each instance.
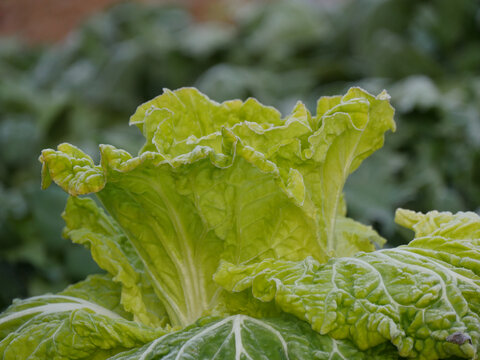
(423, 297)
(231, 181)
(242, 337)
(70, 325)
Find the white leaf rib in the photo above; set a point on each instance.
(164, 295)
(335, 351)
(58, 308)
(438, 263)
(381, 283)
(151, 347)
(237, 321)
(275, 332)
(199, 335)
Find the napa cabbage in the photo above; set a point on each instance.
(227, 237)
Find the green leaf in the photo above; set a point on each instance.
(70, 325)
(463, 225)
(72, 169)
(231, 181)
(243, 337)
(101, 288)
(88, 224)
(352, 236)
(351, 128)
(422, 297)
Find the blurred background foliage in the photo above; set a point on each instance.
(82, 90)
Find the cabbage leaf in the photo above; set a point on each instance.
(422, 297)
(243, 337)
(227, 237)
(231, 181)
(85, 321)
